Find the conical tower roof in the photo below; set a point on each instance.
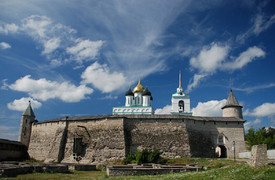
(231, 101)
(29, 111)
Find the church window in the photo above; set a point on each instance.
(220, 139)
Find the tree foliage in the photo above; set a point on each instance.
(261, 136)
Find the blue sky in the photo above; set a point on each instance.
(73, 58)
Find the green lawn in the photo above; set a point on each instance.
(218, 169)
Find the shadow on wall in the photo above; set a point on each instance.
(202, 142)
(12, 151)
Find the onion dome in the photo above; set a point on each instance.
(129, 93)
(146, 92)
(139, 88)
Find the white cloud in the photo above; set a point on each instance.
(56, 40)
(9, 28)
(37, 26)
(207, 62)
(195, 81)
(210, 58)
(165, 110)
(254, 88)
(262, 23)
(85, 49)
(51, 45)
(5, 85)
(101, 78)
(4, 45)
(213, 58)
(245, 57)
(266, 109)
(252, 124)
(210, 108)
(22, 104)
(43, 89)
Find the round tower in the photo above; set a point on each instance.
(232, 107)
(27, 119)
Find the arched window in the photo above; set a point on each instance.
(220, 139)
(181, 105)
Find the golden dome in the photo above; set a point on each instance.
(139, 88)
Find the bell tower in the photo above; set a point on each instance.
(27, 119)
(181, 101)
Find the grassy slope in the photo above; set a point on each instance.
(219, 169)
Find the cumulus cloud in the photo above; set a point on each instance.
(51, 45)
(266, 109)
(101, 78)
(22, 104)
(210, 58)
(43, 89)
(213, 58)
(4, 45)
(210, 108)
(252, 124)
(56, 40)
(165, 110)
(85, 49)
(244, 58)
(9, 28)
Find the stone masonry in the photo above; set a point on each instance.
(258, 155)
(87, 139)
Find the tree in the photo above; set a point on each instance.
(261, 136)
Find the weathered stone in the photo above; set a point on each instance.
(110, 137)
(258, 155)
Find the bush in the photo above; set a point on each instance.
(130, 157)
(148, 156)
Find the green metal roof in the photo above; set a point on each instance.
(29, 111)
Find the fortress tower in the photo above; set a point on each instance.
(180, 101)
(27, 119)
(232, 107)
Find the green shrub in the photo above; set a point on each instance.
(148, 156)
(130, 157)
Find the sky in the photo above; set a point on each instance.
(78, 58)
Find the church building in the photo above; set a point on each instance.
(138, 101)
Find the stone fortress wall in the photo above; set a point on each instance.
(110, 137)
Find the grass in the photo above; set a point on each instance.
(223, 169)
